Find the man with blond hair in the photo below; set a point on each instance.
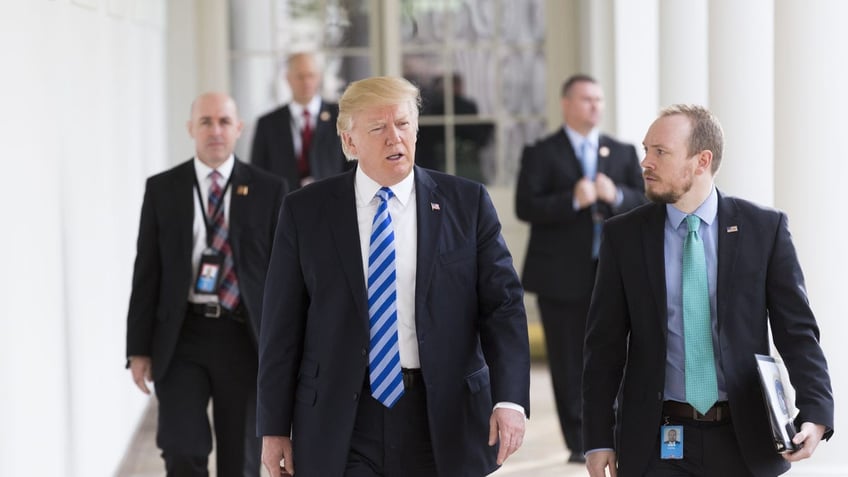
(394, 338)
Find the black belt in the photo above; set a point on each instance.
(216, 311)
(718, 413)
(411, 377)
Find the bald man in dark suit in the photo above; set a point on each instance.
(204, 242)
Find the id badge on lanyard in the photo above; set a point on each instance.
(209, 270)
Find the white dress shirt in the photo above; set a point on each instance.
(297, 124)
(405, 225)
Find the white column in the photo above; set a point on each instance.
(810, 172)
(256, 67)
(684, 46)
(597, 51)
(742, 94)
(636, 50)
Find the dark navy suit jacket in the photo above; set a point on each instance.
(759, 283)
(469, 316)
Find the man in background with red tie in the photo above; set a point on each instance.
(298, 141)
(569, 183)
(204, 242)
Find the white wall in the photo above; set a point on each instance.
(84, 97)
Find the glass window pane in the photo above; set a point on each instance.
(523, 83)
(524, 21)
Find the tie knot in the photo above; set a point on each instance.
(692, 222)
(215, 176)
(384, 194)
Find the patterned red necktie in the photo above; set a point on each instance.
(228, 293)
(305, 142)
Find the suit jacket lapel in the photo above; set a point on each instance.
(429, 227)
(603, 160)
(283, 131)
(563, 146)
(239, 204)
(653, 246)
(341, 214)
(728, 233)
(185, 209)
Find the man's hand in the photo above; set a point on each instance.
(277, 455)
(605, 188)
(507, 427)
(597, 461)
(585, 193)
(809, 436)
(140, 368)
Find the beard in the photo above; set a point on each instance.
(671, 196)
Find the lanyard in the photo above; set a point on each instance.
(206, 219)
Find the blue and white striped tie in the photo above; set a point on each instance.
(384, 356)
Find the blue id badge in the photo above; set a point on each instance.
(671, 442)
(208, 274)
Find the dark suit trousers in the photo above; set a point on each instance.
(709, 449)
(215, 359)
(565, 326)
(392, 442)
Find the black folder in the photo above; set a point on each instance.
(779, 410)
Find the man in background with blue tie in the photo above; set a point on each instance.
(394, 339)
(204, 242)
(569, 183)
(687, 288)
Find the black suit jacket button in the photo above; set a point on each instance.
(364, 351)
(355, 396)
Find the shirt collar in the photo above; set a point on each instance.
(202, 170)
(366, 188)
(577, 139)
(707, 211)
(314, 106)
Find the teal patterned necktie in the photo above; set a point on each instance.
(701, 386)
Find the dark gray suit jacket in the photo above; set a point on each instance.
(759, 283)
(469, 315)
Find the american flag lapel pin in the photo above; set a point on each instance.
(732, 229)
(434, 206)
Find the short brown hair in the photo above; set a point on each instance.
(574, 79)
(707, 134)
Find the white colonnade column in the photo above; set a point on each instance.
(741, 94)
(684, 46)
(810, 171)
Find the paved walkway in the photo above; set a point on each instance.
(542, 455)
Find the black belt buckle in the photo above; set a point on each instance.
(212, 310)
